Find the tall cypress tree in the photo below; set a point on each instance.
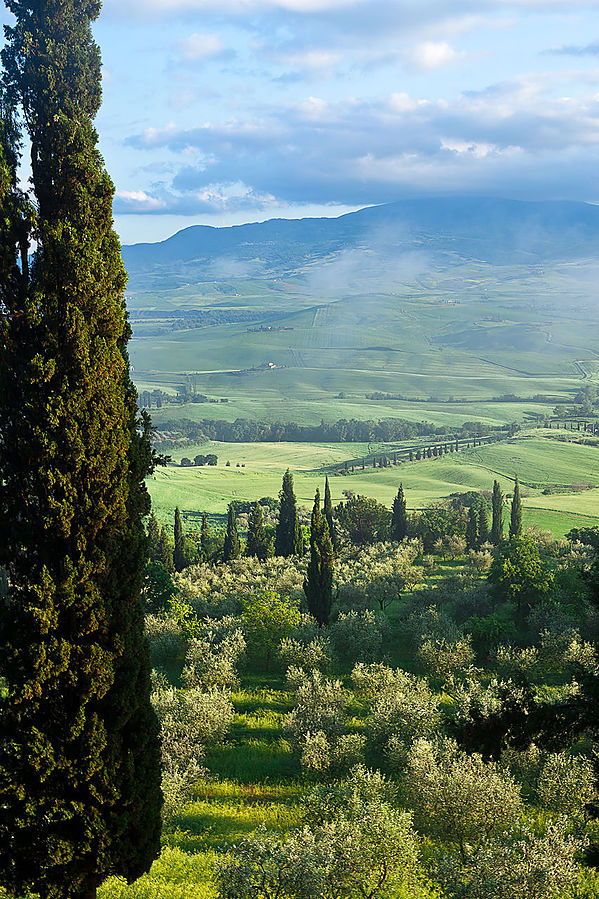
(79, 748)
(399, 517)
(472, 529)
(318, 585)
(206, 537)
(497, 525)
(483, 525)
(516, 514)
(258, 543)
(288, 537)
(232, 547)
(179, 537)
(328, 512)
(153, 537)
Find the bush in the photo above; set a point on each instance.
(267, 619)
(444, 659)
(212, 658)
(567, 784)
(527, 867)
(319, 706)
(165, 638)
(357, 636)
(458, 797)
(401, 714)
(355, 845)
(321, 757)
(510, 660)
(189, 721)
(376, 677)
(315, 654)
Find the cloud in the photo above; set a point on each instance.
(576, 50)
(433, 55)
(512, 138)
(198, 47)
(209, 199)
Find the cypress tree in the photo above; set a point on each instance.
(206, 537)
(288, 537)
(472, 529)
(497, 525)
(179, 537)
(516, 515)
(79, 747)
(318, 585)
(258, 543)
(165, 551)
(483, 525)
(328, 511)
(153, 537)
(399, 517)
(232, 547)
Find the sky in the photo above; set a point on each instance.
(226, 111)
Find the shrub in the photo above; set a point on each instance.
(459, 797)
(528, 867)
(321, 757)
(401, 714)
(267, 619)
(212, 659)
(510, 660)
(357, 636)
(315, 654)
(444, 659)
(189, 720)
(567, 784)
(165, 638)
(376, 677)
(318, 707)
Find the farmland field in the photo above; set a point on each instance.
(541, 461)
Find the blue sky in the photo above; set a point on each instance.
(225, 111)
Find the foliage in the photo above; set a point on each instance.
(74, 455)
(399, 516)
(497, 524)
(364, 519)
(320, 757)
(567, 784)
(232, 546)
(267, 618)
(288, 538)
(436, 523)
(402, 712)
(357, 636)
(258, 543)
(306, 655)
(165, 637)
(189, 721)
(318, 585)
(212, 657)
(319, 705)
(158, 587)
(519, 575)
(516, 512)
(444, 659)
(459, 798)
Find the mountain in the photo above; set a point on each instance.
(449, 230)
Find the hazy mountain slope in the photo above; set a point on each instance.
(448, 230)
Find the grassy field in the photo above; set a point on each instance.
(540, 461)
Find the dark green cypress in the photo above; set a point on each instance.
(497, 525)
(79, 747)
(206, 537)
(232, 547)
(483, 525)
(328, 512)
(288, 537)
(258, 543)
(399, 517)
(179, 541)
(153, 537)
(318, 584)
(165, 551)
(516, 514)
(472, 529)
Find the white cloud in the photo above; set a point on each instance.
(201, 46)
(432, 55)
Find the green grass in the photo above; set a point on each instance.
(539, 459)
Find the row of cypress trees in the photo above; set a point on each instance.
(79, 749)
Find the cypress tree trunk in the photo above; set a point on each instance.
(79, 748)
